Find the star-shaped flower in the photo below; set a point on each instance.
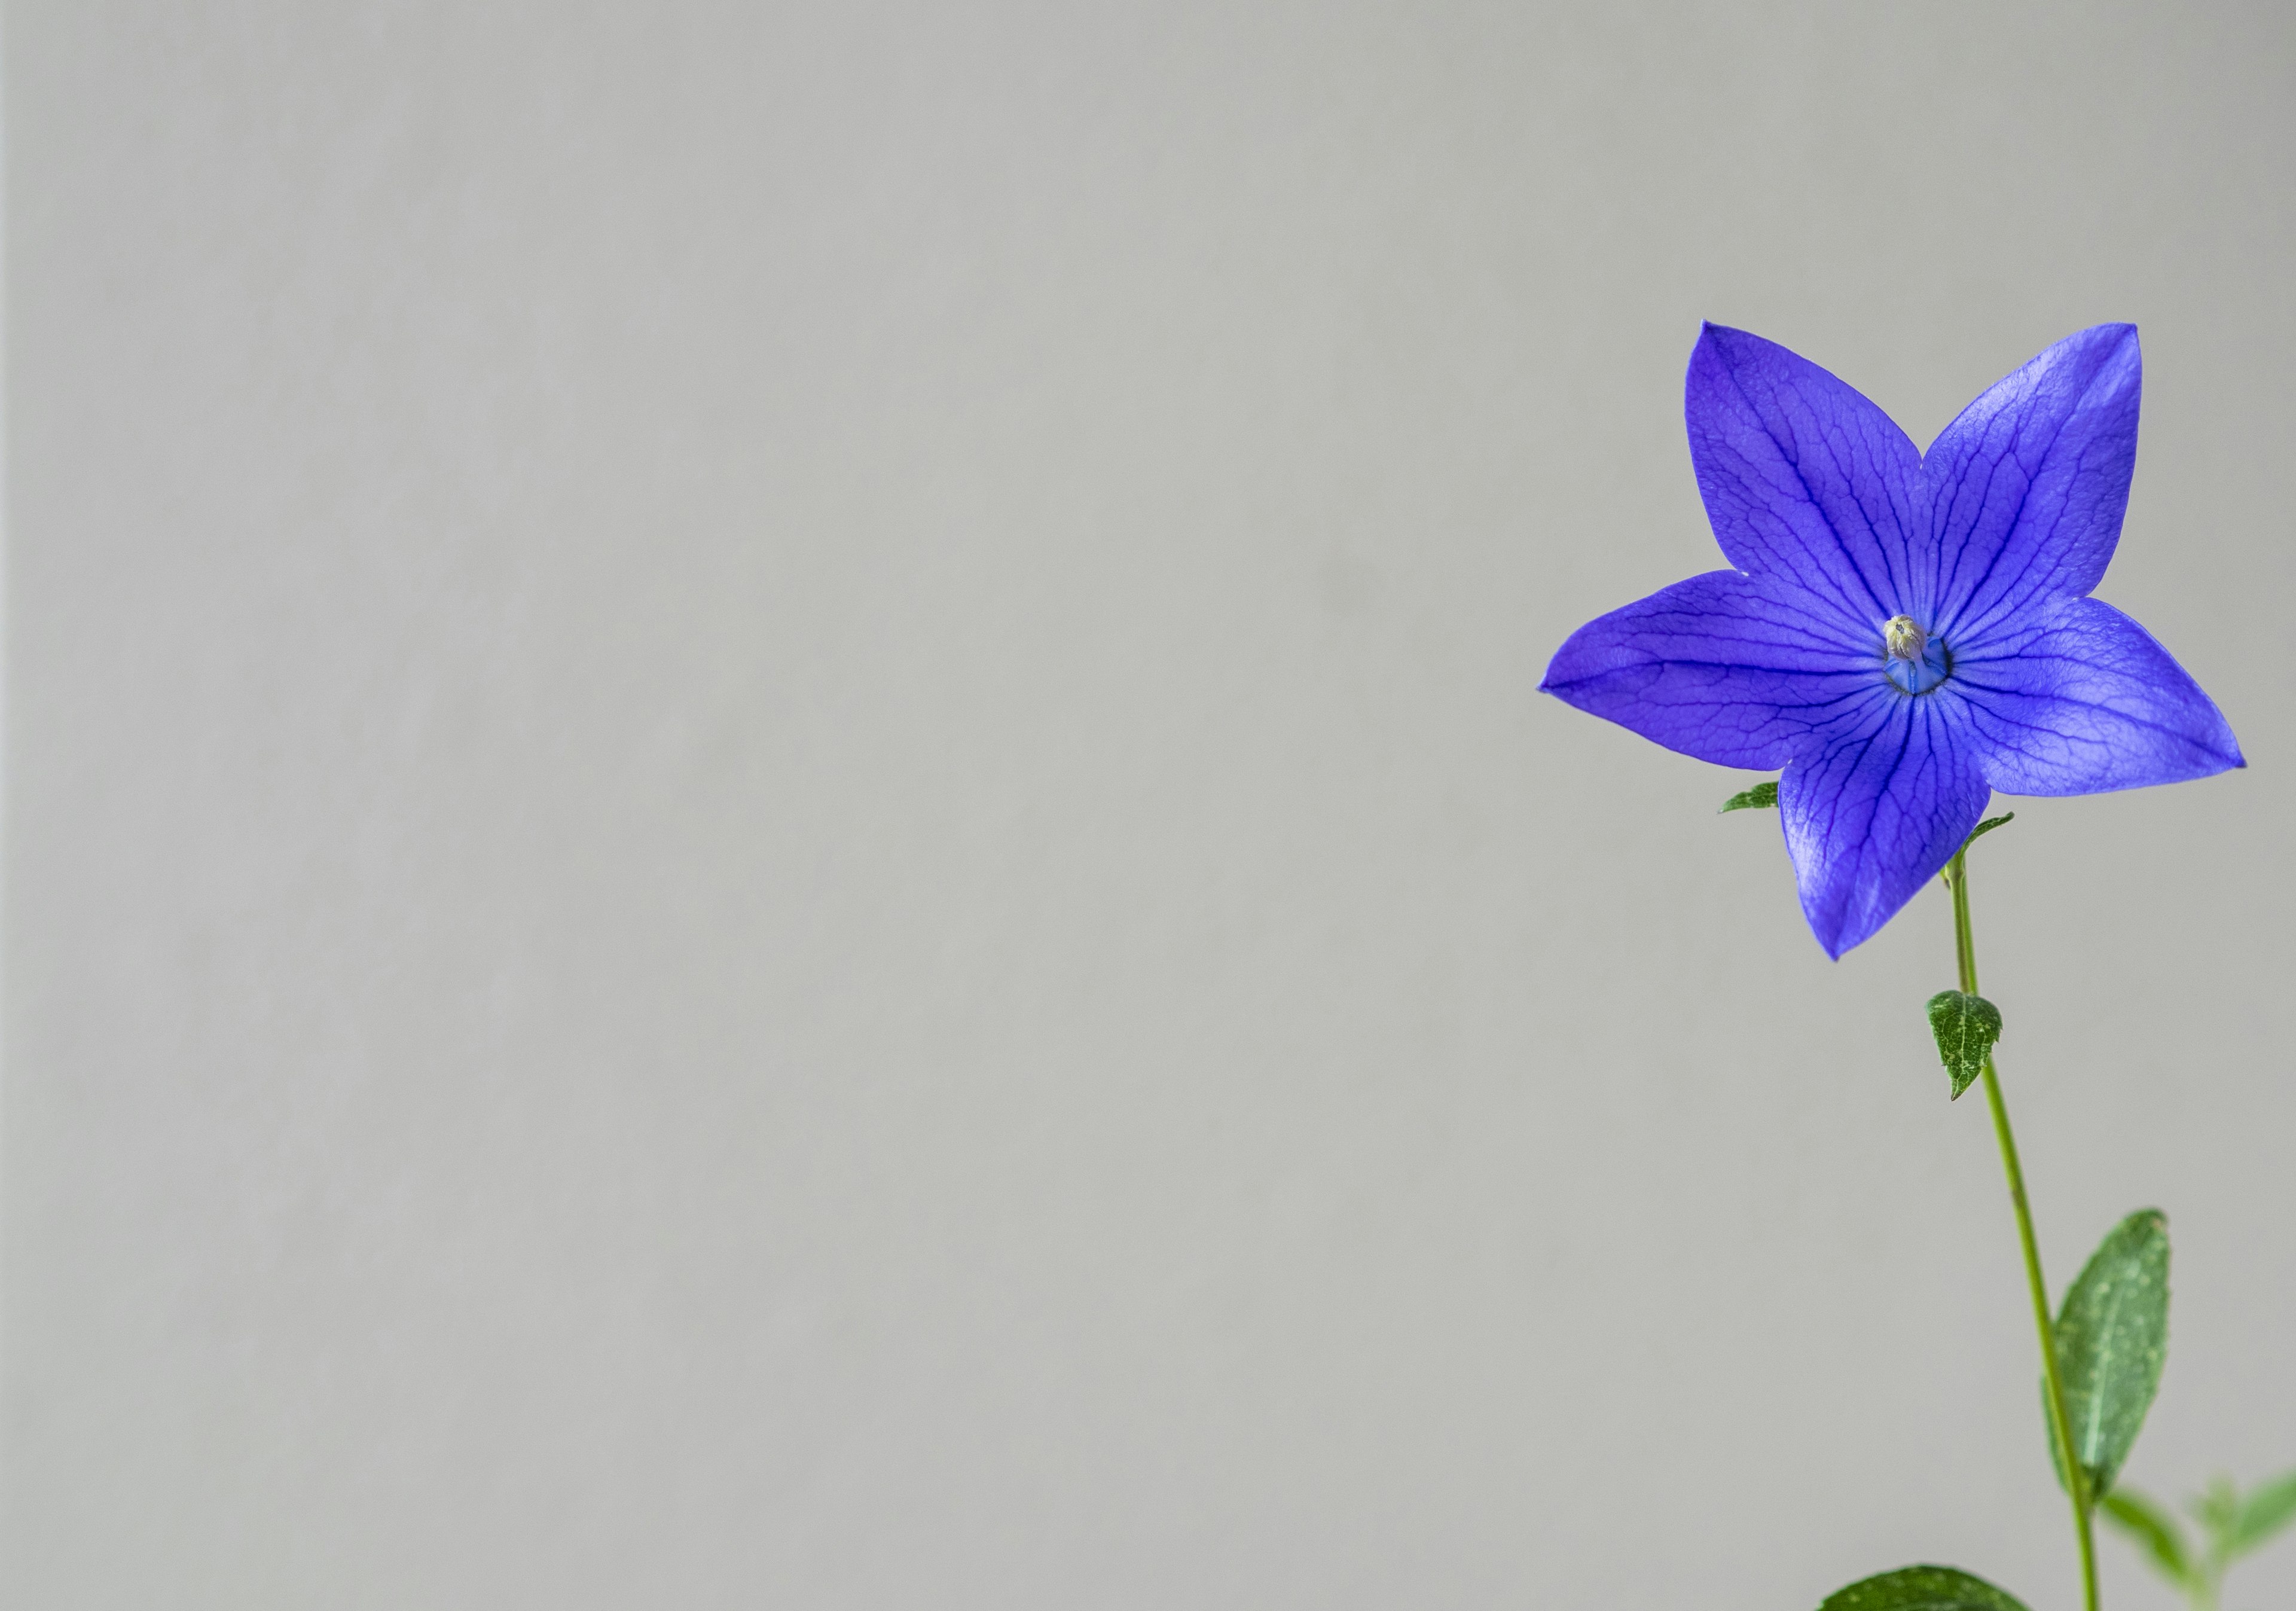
(1904, 632)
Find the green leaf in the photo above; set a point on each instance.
(1750, 800)
(2217, 1509)
(2264, 1513)
(2112, 1334)
(1922, 1589)
(1965, 1027)
(1986, 826)
(2155, 1529)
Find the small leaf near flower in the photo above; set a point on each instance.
(1986, 826)
(1922, 1589)
(1965, 1027)
(2112, 1336)
(1761, 794)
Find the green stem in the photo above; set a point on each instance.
(2210, 1579)
(1956, 876)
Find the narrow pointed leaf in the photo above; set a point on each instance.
(2140, 1519)
(2112, 1336)
(2264, 1513)
(1922, 1589)
(1986, 826)
(1966, 1027)
(1750, 800)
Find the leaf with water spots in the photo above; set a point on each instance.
(1922, 1589)
(2112, 1338)
(1966, 1027)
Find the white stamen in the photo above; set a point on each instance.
(1904, 638)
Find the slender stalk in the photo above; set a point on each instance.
(2075, 1480)
(2209, 1581)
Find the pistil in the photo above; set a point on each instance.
(1904, 638)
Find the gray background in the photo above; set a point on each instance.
(776, 830)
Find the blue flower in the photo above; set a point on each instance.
(1904, 632)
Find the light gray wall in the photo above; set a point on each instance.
(776, 832)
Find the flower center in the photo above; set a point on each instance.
(1913, 661)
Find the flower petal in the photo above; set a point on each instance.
(2081, 699)
(1806, 481)
(1874, 814)
(1730, 669)
(2024, 492)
